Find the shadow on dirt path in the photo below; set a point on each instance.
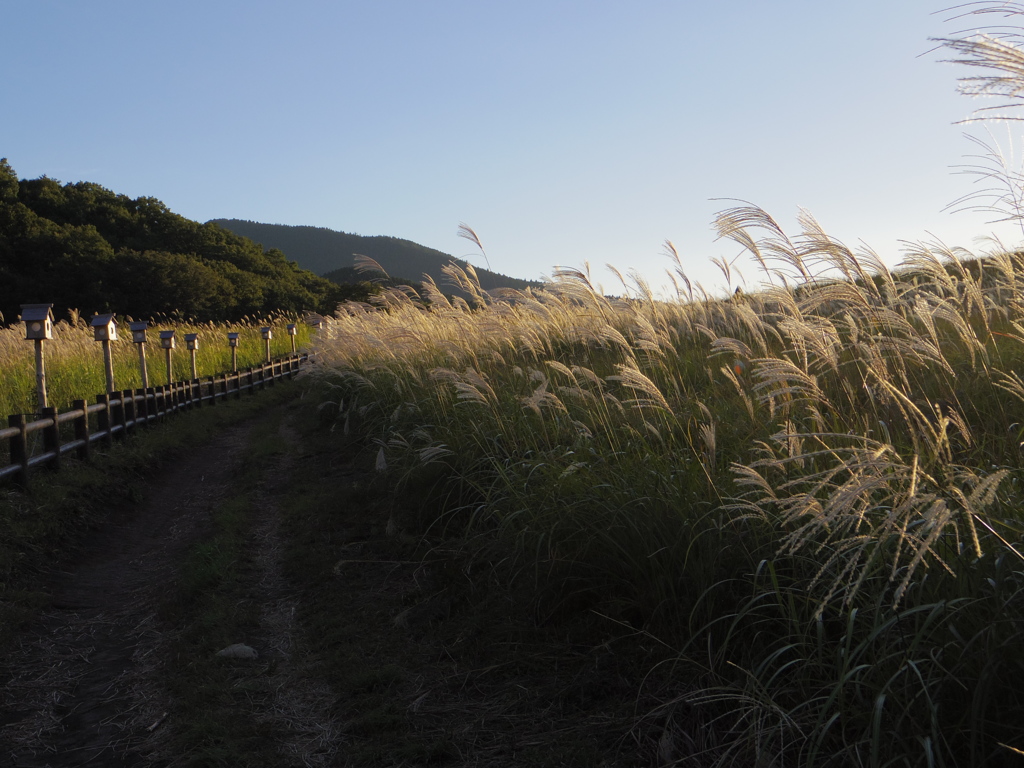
(81, 686)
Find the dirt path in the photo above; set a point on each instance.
(425, 660)
(82, 686)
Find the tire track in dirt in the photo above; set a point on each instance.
(301, 701)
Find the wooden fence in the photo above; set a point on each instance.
(116, 414)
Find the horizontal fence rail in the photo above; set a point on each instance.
(116, 414)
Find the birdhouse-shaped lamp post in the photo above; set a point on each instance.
(38, 319)
(167, 342)
(292, 330)
(267, 335)
(192, 343)
(233, 343)
(139, 339)
(104, 330)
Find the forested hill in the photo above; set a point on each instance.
(82, 246)
(331, 253)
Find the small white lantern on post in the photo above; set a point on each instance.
(292, 330)
(139, 339)
(192, 343)
(38, 319)
(267, 335)
(167, 342)
(233, 343)
(104, 330)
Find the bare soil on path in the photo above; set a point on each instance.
(82, 685)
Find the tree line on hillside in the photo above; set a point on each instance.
(84, 247)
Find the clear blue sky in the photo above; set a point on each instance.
(563, 131)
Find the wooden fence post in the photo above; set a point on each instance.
(128, 410)
(118, 416)
(82, 429)
(19, 447)
(142, 412)
(51, 436)
(103, 418)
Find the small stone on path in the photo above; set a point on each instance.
(238, 651)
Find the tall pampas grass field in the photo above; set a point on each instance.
(808, 496)
(810, 493)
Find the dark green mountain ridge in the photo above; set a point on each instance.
(332, 254)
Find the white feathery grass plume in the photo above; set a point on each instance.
(999, 55)
(642, 287)
(534, 400)
(783, 380)
(1002, 175)
(589, 375)
(857, 501)
(709, 447)
(618, 276)
(756, 327)
(368, 265)
(1010, 381)
(816, 340)
(434, 453)
(468, 233)
(729, 371)
(433, 294)
(733, 224)
(470, 385)
(562, 369)
(465, 280)
(731, 347)
(613, 336)
(930, 438)
(653, 432)
(631, 378)
(817, 243)
(650, 340)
